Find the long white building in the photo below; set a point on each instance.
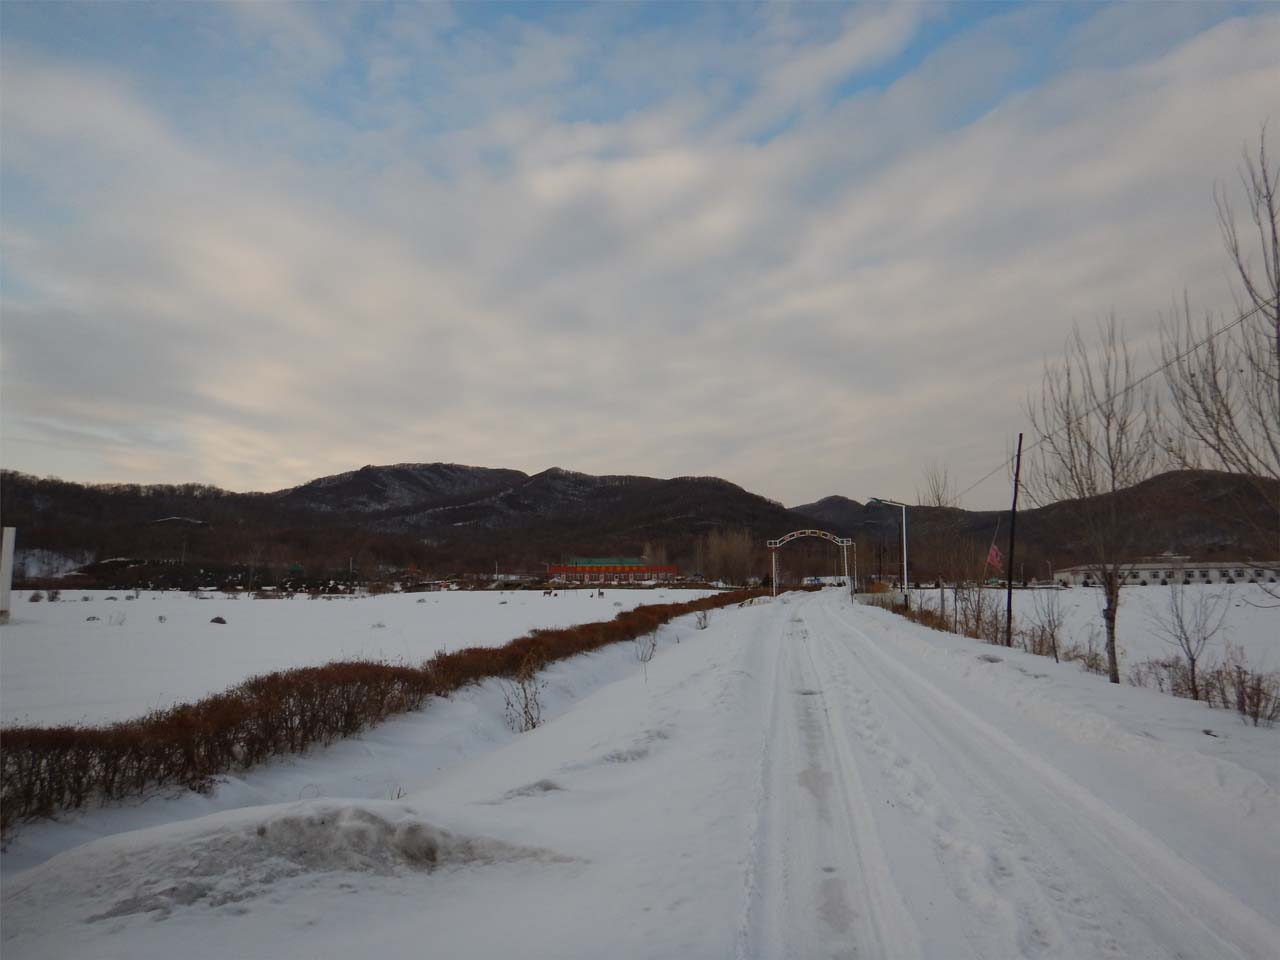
(1175, 569)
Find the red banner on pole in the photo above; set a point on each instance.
(995, 558)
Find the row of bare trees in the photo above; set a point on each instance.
(1101, 428)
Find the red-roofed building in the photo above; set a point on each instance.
(611, 570)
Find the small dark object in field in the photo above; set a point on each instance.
(217, 620)
(1208, 733)
(87, 619)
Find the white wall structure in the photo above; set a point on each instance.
(6, 571)
(1158, 570)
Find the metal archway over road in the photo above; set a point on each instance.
(844, 543)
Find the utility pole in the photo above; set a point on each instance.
(906, 595)
(1013, 521)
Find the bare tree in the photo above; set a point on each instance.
(1094, 420)
(1190, 624)
(1046, 628)
(656, 553)
(939, 489)
(1224, 382)
(730, 555)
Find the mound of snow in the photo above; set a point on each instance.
(230, 858)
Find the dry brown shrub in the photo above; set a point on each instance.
(1089, 655)
(1230, 685)
(929, 617)
(47, 769)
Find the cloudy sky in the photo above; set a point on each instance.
(808, 248)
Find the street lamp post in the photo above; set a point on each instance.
(905, 581)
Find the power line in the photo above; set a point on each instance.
(1101, 403)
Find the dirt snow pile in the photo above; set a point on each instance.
(226, 860)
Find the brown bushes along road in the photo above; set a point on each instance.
(47, 769)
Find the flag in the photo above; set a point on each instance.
(994, 558)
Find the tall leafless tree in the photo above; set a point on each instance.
(1095, 439)
(1224, 381)
(939, 489)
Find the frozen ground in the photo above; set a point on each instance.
(804, 778)
(59, 666)
(1252, 623)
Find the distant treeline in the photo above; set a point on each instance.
(196, 535)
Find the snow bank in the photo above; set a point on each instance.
(802, 778)
(242, 857)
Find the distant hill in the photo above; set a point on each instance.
(1202, 513)
(373, 490)
(451, 501)
(452, 517)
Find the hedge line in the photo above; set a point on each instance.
(47, 769)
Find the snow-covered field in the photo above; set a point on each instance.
(1252, 622)
(59, 666)
(804, 778)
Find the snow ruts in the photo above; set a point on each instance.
(1049, 862)
(893, 821)
(819, 877)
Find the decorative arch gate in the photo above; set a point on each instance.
(844, 543)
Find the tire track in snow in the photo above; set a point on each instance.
(819, 881)
(1108, 882)
(752, 929)
(995, 911)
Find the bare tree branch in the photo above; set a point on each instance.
(1094, 421)
(939, 489)
(1224, 384)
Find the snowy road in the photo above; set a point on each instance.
(928, 831)
(803, 779)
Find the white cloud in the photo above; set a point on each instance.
(802, 75)
(298, 291)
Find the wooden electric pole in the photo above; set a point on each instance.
(1008, 576)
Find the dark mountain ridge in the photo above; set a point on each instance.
(446, 516)
(1201, 513)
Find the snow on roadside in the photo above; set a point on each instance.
(1252, 622)
(104, 898)
(802, 776)
(244, 855)
(387, 762)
